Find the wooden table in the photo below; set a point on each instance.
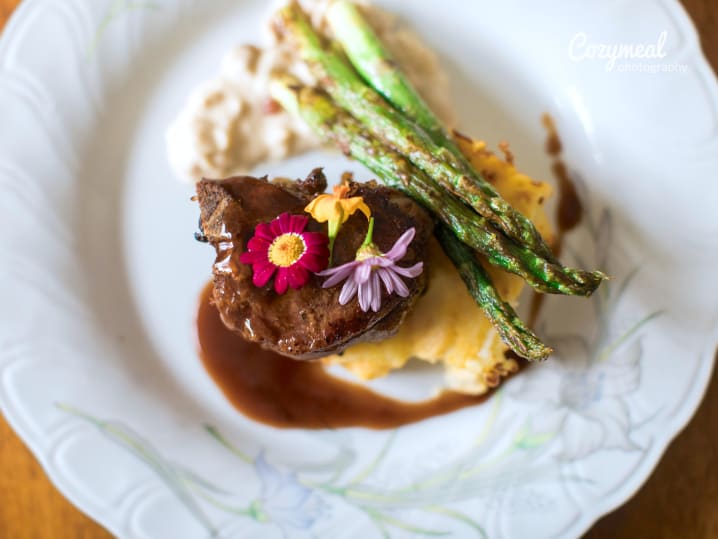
(680, 500)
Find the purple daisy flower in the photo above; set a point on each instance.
(364, 276)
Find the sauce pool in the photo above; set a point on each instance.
(289, 393)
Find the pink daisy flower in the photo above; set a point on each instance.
(282, 247)
(364, 276)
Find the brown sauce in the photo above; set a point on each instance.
(283, 392)
(569, 211)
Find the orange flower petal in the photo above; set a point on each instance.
(322, 208)
(336, 208)
(351, 205)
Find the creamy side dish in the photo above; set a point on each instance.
(230, 125)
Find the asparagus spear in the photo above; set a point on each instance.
(445, 167)
(374, 63)
(335, 124)
(511, 328)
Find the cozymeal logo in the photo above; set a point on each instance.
(625, 57)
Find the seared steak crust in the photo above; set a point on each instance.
(309, 322)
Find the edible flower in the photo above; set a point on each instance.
(370, 269)
(336, 210)
(284, 248)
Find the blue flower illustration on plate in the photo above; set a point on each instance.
(582, 400)
(581, 390)
(285, 501)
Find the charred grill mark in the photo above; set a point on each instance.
(200, 236)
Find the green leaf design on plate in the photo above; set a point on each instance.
(116, 10)
(171, 475)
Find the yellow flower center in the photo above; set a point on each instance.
(286, 249)
(367, 251)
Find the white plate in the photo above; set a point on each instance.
(99, 278)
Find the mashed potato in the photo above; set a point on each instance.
(446, 326)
